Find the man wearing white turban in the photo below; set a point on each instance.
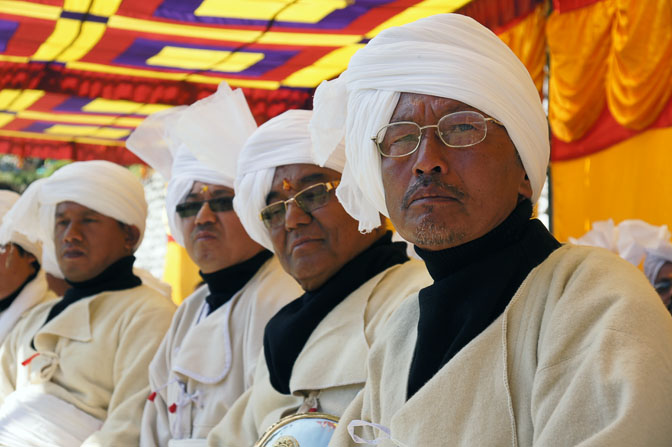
(315, 347)
(23, 283)
(74, 371)
(519, 341)
(208, 356)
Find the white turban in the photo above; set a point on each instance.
(104, 187)
(283, 140)
(10, 234)
(632, 240)
(447, 55)
(168, 141)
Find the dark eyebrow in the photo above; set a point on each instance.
(313, 178)
(222, 192)
(270, 196)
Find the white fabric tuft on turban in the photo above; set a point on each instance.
(104, 187)
(446, 55)
(282, 140)
(633, 240)
(9, 234)
(169, 140)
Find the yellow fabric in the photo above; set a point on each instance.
(626, 181)
(180, 272)
(614, 52)
(528, 41)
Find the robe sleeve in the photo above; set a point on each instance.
(605, 362)
(8, 363)
(138, 341)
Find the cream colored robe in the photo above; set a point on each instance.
(95, 356)
(205, 363)
(35, 292)
(581, 356)
(333, 361)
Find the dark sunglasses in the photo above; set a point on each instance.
(217, 205)
(308, 199)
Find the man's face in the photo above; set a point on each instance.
(88, 242)
(15, 268)
(313, 247)
(215, 240)
(441, 197)
(666, 293)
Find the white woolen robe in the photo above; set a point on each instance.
(95, 356)
(333, 361)
(211, 359)
(580, 356)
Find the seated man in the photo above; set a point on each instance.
(658, 269)
(74, 371)
(315, 347)
(23, 284)
(208, 356)
(519, 341)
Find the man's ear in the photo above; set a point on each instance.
(131, 236)
(525, 188)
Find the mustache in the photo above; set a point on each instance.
(425, 180)
(210, 227)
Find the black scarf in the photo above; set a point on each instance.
(118, 276)
(473, 284)
(288, 331)
(224, 283)
(6, 302)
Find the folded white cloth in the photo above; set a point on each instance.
(31, 417)
(104, 187)
(283, 140)
(213, 129)
(446, 55)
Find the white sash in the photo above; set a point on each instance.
(187, 443)
(31, 417)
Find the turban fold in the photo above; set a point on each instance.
(633, 240)
(447, 55)
(12, 234)
(282, 140)
(104, 187)
(216, 126)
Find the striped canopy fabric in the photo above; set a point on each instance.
(77, 76)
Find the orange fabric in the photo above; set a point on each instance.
(627, 181)
(180, 271)
(639, 80)
(579, 44)
(528, 41)
(612, 52)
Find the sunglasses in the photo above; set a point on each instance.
(217, 205)
(308, 199)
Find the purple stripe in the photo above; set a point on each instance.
(142, 49)
(7, 30)
(72, 104)
(38, 126)
(183, 11)
(83, 17)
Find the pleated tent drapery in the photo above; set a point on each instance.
(610, 85)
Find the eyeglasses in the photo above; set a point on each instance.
(308, 199)
(459, 129)
(217, 205)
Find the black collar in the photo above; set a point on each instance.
(224, 283)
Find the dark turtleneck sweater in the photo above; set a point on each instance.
(224, 283)
(473, 284)
(288, 331)
(7, 301)
(118, 276)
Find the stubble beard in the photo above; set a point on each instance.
(430, 233)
